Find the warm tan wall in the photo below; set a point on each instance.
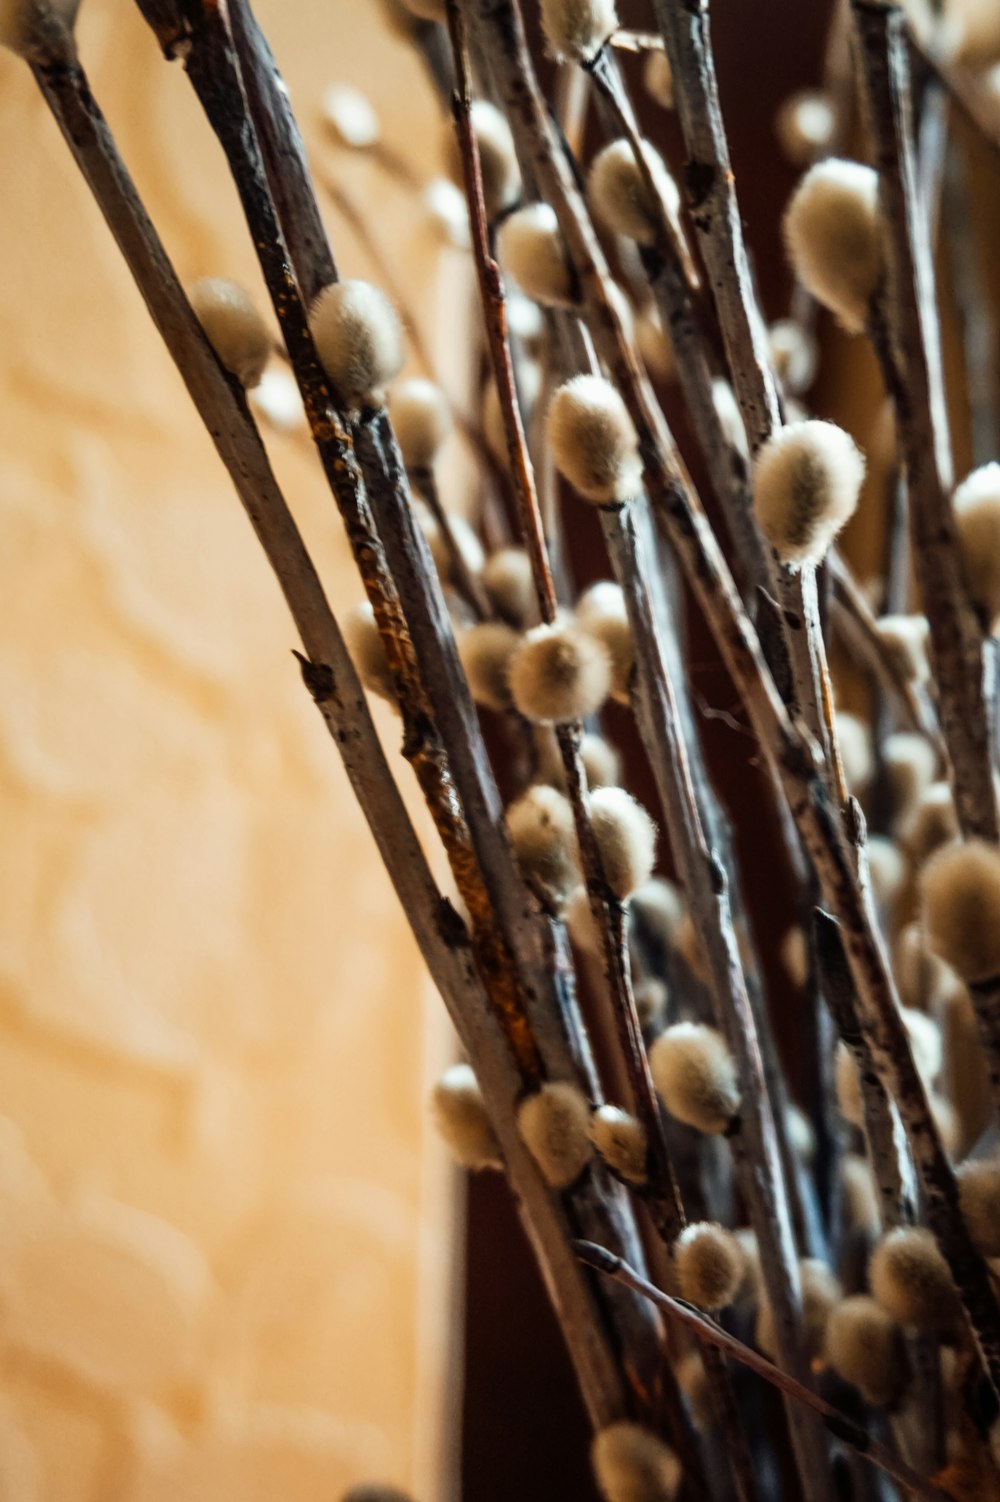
(221, 1228)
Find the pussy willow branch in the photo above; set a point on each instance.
(911, 359)
(562, 1053)
(330, 676)
(840, 1425)
(957, 638)
(822, 832)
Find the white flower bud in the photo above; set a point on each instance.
(805, 126)
(801, 1136)
(922, 978)
(657, 910)
(621, 1141)
(621, 198)
(857, 1182)
(601, 762)
(350, 117)
(367, 651)
(530, 249)
(807, 480)
(658, 80)
(555, 1125)
(976, 504)
(461, 1119)
(28, 27)
(501, 180)
(358, 340)
(448, 211)
(910, 1279)
(543, 834)
(960, 901)
(793, 354)
(486, 651)
(695, 1075)
(930, 824)
(905, 639)
(655, 346)
(277, 399)
(864, 1346)
(601, 612)
(979, 1188)
(886, 871)
(857, 754)
(508, 580)
(593, 441)
(832, 235)
(577, 29)
(727, 410)
(651, 1000)
(233, 327)
(559, 674)
(710, 1265)
(421, 421)
(626, 839)
(925, 1043)
(632, 1464)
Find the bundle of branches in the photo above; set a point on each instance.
(705, 1242)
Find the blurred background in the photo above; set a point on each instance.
(231, 1255)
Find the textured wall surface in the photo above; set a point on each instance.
(222, 1230)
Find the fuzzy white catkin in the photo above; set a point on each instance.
(358, 340)
(794, 355)
(621, 1141)
(695, 1076)
(27, 25)
(367, 650)
(601, 762)
(960, 904)
(805, 126)
(910, 763)
(555, 1125)
(976, 505)
(631, 1464)
(625, 836)
(709, 1264)
(979, 1191)
(593, 441)
(559, 674)
(886, 871)
(486, 651)
(543, 834)
(233, 327)
(905, 638)
(462, 1121)
(421, 420)
(857, 754)
(658, 79)
(350, 116)
(601, 612)
(930, 824)
(577, 29)
(620, 195)
(508, 580)
(501, 182)
(832, 234)
(857, 1182)
(910, 1279)
(530, 249)
(864, 1347)
(807, 480)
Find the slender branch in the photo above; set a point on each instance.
(671, 491)
(840, 1425)
(909, 342)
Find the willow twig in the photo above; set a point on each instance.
(672, 493)
(840, 1425)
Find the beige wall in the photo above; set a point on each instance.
(222, 1230)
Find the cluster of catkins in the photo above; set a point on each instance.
(937, 898)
